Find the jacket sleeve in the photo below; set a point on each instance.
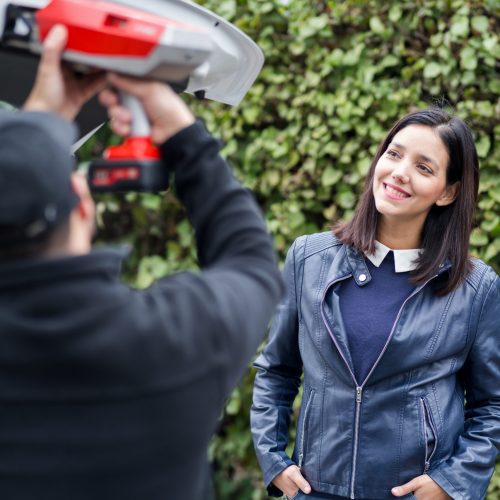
(466, 474)
(212, 322)
(277, 381)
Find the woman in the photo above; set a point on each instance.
(391, 323)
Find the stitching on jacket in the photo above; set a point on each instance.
(306, 420)
(459, 490)
(318, 236)
(475, 276)
(438, 408)
(401, 427)
(301, 271)
(421, 419)
(317, 313)
(484, 300)
(295, 280)
(279, 424)
(320, 447)
(453, 362)
(484, 268)
(435, 337)
(308, 241)
(272, 466)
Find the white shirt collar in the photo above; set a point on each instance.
(404, 260)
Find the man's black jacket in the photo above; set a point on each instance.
(112, 393)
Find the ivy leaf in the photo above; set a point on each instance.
(480, 24)
(250, 114)
(490, 44)
(478, 238)
(330, 176)
(150, 201)
(395, 13)
(234, 404)
(483, 146)
(346, 199)
(495, 193)
(312, 26)
(494, 86)
(491, 225)
(485, 108)
(376, 25)
(432, 70)
(389, 61)
(227, 9)
(150, 269)
(492, 251)
(460, 27)
(468, 58)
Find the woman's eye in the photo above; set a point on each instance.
(424, 168)
(392, 154)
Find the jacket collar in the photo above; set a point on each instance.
(349, 261)
(358, 266)
(404, 260)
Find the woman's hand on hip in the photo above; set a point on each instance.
(290, 481)
(423, 488)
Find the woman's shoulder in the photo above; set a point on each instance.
(309, 244)
(482, 275)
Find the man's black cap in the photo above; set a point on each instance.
(35, 174)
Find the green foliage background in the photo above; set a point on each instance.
(337, 75)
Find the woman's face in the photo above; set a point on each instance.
(410, 176)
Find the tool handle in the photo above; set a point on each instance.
(140, 121)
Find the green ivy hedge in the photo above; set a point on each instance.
(337, 75)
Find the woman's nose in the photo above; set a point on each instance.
(400, 173)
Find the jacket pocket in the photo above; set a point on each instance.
(303, 438)
(429, 433)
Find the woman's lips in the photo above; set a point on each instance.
(395, 193)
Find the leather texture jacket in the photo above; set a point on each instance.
(430, 404)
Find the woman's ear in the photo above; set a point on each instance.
(449, 195)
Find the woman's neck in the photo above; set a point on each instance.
(397, 236)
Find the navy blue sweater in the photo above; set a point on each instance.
(370, 311)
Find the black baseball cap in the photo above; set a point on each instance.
(35, 174)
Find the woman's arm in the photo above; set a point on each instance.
(467, 472)
(279, 368)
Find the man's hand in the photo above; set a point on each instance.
(423, 487)
(57, 89)
(166, 111)
(290, 481)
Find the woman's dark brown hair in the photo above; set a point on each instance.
(446, 229)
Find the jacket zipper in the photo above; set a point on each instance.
(428, 420)
(359, 393)
(359, 388)
(304, 421)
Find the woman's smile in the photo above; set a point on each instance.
(394, 192)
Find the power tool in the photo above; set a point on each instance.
(176, 41)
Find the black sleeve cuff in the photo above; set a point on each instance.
(182, 144)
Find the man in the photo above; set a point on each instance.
(108, 392)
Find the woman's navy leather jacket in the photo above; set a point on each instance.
(360, 438)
